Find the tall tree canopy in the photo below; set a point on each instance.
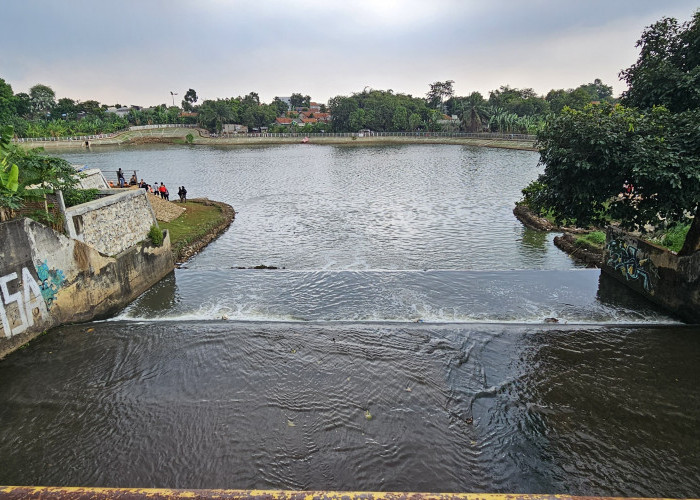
(667, 72)
(588, 155)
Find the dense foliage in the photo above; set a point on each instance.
(25, 175)
(591, 156)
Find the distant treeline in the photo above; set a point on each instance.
(507, 110)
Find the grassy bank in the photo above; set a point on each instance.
(202, 221)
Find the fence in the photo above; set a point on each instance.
(465, 135)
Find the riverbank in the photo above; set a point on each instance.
(201, 223)
(569, 242)
(178, 136)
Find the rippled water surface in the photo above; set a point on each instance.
(417, 339)
(327, 207)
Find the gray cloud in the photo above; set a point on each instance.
(135, 52)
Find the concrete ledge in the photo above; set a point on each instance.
(45, 492)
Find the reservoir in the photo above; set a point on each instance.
(400, 345)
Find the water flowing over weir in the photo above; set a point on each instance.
(404, 347)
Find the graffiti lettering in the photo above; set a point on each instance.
(26, 302)
(30, 299)
(625, 258)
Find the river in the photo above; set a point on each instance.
(401, 344)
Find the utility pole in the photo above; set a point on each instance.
(173, 94)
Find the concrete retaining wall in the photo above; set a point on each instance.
(114, 223)
(663, 277)
(92, 179)
(47, 279)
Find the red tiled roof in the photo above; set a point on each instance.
(309, 120)
(284, 121)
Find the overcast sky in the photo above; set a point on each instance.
(138, 51)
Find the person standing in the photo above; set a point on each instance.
(162, 190)
(184, 195)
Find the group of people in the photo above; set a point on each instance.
(155, 188)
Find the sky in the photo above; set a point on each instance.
(136, 52)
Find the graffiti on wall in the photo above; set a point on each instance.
(30, 299)
(51, 280)
(626, 259)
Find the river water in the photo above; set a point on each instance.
(401, 344)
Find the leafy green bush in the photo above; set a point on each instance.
(189, 138)
(155, 234)
(73, 197)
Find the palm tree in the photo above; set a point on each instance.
(475, 112)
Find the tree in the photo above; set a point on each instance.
(475, 112)
(438, 93)
(414, 121)
(589, 155)
(280, 105)
(191, 96)
(299, 101)
(7, 102)
(65, 108)
(42, 99)
(23, 104)
(667, 72)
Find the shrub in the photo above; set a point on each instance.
(155, 234)
(189, 138)
(73, 197)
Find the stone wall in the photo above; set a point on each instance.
(114, 223)
(655, 272)
(47, 279)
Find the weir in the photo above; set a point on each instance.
(414, 337)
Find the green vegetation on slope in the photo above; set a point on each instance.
(195, 223)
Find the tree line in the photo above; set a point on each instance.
(39, 113)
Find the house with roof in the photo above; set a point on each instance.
(284, 121)
(234, 128)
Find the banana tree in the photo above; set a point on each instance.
(9, 178)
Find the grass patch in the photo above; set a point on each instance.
(595, 239)
(675, 237)
(197, 221)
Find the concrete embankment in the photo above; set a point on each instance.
(667, 279)
(48, 279)
(200, 138)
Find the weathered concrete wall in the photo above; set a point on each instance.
(47, 279)
(92, 179)
(671, 281)
(112, 224)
